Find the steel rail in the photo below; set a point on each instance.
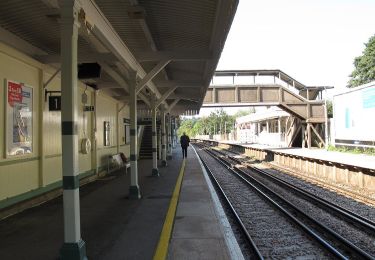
(344, 241)
(321, 240)
(257, 253)
(365, 223)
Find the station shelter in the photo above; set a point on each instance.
(265, 127)
(74, 74)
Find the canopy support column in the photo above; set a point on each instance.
(164, 140)
(155, 171)
(134, 191)
(74, 247)
(169, 141)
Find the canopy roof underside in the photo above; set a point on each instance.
(188, 33)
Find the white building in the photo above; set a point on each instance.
(265, 127)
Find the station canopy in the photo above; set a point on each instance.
(179, 42)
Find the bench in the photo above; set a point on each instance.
(116, 162)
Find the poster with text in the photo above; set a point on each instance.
(19, 118)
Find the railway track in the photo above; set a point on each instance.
(300, 209)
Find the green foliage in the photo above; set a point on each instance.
(186, 127)
(364, 71)
(356, 150)
(244, 112)
(217, 122)
(329, 109)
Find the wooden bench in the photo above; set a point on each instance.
(117, 162)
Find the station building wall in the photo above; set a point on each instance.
(25, 176)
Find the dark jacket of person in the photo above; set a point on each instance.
(184, 141)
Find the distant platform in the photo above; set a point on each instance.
(356, 160)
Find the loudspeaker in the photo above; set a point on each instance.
(88, 70)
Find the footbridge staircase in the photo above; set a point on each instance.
(273, 88)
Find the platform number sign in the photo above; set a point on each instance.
(54, 103)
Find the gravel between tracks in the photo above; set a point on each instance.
(345, 202)
(275, 236)
(362, 239)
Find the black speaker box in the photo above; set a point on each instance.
(88, 70)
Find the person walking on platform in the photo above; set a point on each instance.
(184, 141)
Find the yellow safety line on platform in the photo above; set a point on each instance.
(162, 249)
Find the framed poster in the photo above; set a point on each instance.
(19, 118)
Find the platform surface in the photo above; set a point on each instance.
(358, 160)
(115, 227)
(198, 232)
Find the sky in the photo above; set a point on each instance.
(313, 41)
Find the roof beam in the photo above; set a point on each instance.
(180, 84)
(97, 57)
(173, 104)
(147, 78)
(115, 76)
(144, 25)
(108, 85)
(183, 97)
(165, 96)
(145, 99)
(174, 55)
(100, 27)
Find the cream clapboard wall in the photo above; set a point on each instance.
(24, 175)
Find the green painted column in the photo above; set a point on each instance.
(134, 191)
(159, 143)
(169, 139)
(174, 137)
(155, 171)
(163, 139)
(73, 247)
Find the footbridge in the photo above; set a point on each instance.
(272, 88)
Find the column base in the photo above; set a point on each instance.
(73, 251)
(164, 163)
(155, 172)
(134, 192)
(169, 157)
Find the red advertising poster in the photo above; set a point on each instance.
(14, 93)
(19, 118)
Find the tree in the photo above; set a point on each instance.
(364, 71)
(186, 127)
(217, 122)
(329, 109)
(244, 112)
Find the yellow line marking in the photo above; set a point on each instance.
(162, 249)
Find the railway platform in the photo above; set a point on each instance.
(356, 160)
(115, 227)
